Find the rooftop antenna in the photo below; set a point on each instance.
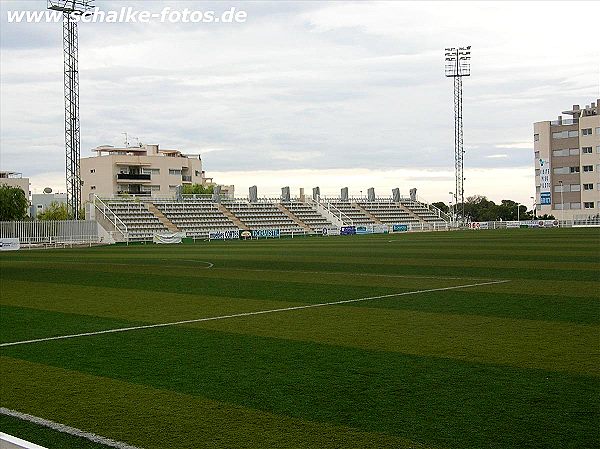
(71, 9)
(457, 65)
(126, 140)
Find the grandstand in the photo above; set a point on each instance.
(389, 212)
(265, 215)
(423, 211)
(138, 219)
(141, 223)
(308, 214)
(196, 218)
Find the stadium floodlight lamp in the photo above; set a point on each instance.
(458, 61)
(71, 6)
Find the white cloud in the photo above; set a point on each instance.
(432, 185)
(306, 87)
(517, 145)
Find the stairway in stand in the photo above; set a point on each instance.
(236, 221)
(299, 222)
(367, 213)
(164, 220)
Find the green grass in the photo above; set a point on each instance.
(513, 365)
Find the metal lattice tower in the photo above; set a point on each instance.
(458, 65)
(70, 9)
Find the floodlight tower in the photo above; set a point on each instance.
(457, 65)
(71, 9)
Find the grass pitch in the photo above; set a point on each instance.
(512, 365)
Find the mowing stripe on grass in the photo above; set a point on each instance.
(66, 429)
(244, 314)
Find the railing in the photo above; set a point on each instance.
(565, 121)
(326, 208)
(51, 232)
(113, 218)
(133, 177)
(443, 215)
(186, 178)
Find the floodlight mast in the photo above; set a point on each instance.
(71, 9)
(457, 65)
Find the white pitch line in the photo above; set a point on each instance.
(245, 314)
(66, 429)
(401, 276)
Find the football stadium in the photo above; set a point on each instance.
(152, 307)
(432, 339)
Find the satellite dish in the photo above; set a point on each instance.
(47, 190)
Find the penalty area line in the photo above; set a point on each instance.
(66, 429)
(245, 314)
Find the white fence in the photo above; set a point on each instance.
(51, 232)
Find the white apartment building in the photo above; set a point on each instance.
(141, 170)
(15, 179)
(567, 164)
(41, 201)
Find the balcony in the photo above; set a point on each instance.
(565, 121)
(186, 178)
(121, 177)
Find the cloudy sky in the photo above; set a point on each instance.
(307, 93)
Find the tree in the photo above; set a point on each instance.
(441, 206)
(13, 203)
(479, 208)
(56, 211)
(197, 189)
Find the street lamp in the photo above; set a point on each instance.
(452, 210)
(562, 204)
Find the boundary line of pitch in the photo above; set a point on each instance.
(73, 431)
(246, 314)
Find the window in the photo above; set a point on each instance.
(598, 149)
(560, 135)
(151, 171)
(93, 170)
(558, 188)
(559, 206)
(598, 131)
(150, 188)
(588, 205)
(537, 172)
(588, 168)
(586, 150)
(575, 205)
(573, 151)
(562, 170)
(536, 154)
(573, 169)
(588, 187)
(536, 137)
(175, 171)
(92, 187)
(560, 153)
(586, 132)
(198, 173)
(575, 188)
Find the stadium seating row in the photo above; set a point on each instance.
(198, 217)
